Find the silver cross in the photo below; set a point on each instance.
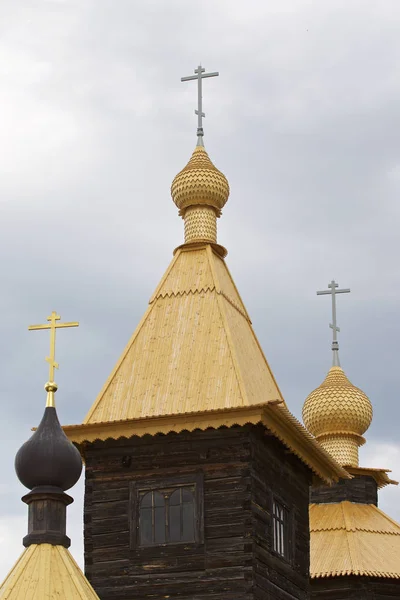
(333, 291)
(200, 75)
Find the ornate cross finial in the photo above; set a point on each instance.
(333, 291)
(200, 75)
(51, 386)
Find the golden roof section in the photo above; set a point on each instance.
(46, 572)
(353, 539)
(193, 351)
(200, 183)
(338, 413)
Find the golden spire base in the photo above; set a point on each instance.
(51, 387)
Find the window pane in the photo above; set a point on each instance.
(188, 522)
(175, 523)
(145, 526)
(175, 498)
(187, 495)
(159, 524)
(146, 500)
(158, 499)
(282, 539)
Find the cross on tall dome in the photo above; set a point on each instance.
(200, 75)
(333, 291)
(53, 326)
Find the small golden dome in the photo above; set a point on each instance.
(199, 183)
(337, 406)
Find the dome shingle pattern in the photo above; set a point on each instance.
(337, 406)
(337, 413)
(200, 182)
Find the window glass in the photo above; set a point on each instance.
(167, 516)
(145, 524)
(175, 498)
(159, 525)
(175, 523)
(280, 524)
(188, 521)
(187, 495)
(158, 499)
(147, 499)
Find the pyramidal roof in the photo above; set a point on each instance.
(194, 350)
(45, 572)
(353, 539)
(194, 360)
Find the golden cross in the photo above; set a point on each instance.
(53, 325)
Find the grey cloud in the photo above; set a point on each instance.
(95, 124)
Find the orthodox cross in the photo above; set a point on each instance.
(200, 75)
(333, 291)
(53, 325)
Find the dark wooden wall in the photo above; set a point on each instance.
(362, 489)
(355, 588)
(242, 467)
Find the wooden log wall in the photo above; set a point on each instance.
(241, 469)
(362, 489)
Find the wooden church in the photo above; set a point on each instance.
(197, 474)
(198, 477)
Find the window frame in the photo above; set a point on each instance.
(287, 523)
(138, 488)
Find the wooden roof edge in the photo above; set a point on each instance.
(355, 572)
(163, 424)
(379, 475)
(281, 423)
(295, 436)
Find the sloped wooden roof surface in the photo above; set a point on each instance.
(46, 572)
(353, 539)
(193, 351)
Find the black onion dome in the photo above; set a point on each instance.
(48, 458)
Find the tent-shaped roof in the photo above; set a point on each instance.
(46, 572)
(194, 350)
(353, 539)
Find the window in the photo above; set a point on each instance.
(280, 529)
(166, 518)
(167, 513)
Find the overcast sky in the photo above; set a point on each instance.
(304, 120)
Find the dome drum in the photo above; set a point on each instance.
(343, 446)
(200, 224)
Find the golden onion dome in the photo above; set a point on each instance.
(337, 406)
(200, 183)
